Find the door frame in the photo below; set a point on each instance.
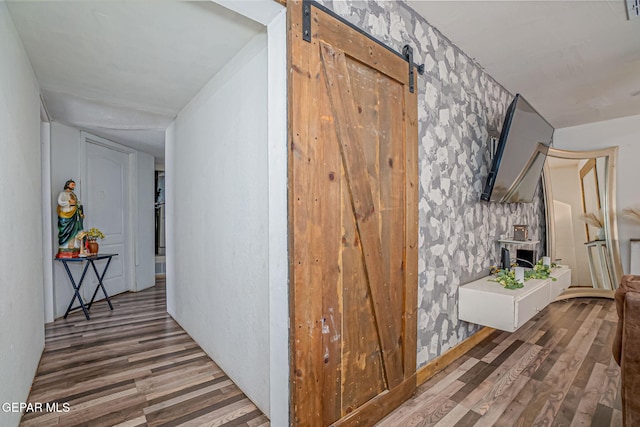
(131, 218)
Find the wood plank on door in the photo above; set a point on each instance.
(353, 215)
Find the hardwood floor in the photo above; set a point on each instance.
(133, 366)
(557, 370)
(136, 367)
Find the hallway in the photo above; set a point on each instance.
(134, 366)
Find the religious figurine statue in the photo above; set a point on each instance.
(70, 218)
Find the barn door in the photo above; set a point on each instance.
(353, 206)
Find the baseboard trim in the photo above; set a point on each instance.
(451, 355)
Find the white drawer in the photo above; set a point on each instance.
(487, 308)
(562, 283)
(529, 305)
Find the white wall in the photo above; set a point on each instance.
(218, 220)
(66, 157)
(47, 231)
(170, 153)
(65, 164)
(21, 272)
(278, 222)
(145, 222)
(624, 133)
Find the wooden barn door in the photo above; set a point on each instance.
(353, 222)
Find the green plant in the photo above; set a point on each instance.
(92, 234)
(539, 271)
(507, 278)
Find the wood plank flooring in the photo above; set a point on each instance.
(136, 367)
(557, 370)
(133, 366)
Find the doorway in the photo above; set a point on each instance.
(107, 206)
(265, 378)
(160, 229)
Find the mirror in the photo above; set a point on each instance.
(582, 231)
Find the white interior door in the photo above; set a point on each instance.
(106, 207)
(565, 242)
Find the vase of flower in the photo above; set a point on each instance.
(93, 246)
(92, 236)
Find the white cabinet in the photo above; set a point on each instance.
(487, 303)
(634, 267)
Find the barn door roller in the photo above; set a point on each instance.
(407, 51)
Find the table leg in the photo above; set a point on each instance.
(604, 266)
(76, 290)
(100, 284)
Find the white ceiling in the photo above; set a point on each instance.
(575, 61)
(124, 70)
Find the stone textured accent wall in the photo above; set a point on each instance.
(458, 105)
